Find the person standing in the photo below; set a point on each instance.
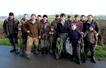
(53, 34)
(45, 28)
(82, 18)
(10, 27)
(33, 30)
(62, 33)
(90, 22)
(23, 33)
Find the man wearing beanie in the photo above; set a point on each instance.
(10, 26)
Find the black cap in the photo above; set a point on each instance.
(68, 16)
(62, 15)
(82, 15)
(56, 15)
(11, 14)
(76, 16)
(45, 16)
(39, 15)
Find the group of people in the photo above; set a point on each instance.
(50, 37)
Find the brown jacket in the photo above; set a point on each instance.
(34, 29)
(91, 37)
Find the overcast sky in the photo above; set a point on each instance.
(95, 7)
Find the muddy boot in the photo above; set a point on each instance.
(28, 57)
(13, 50)
(84, 59)
(93, 58)
(48, 50)
(42, 51)
(16, 51)
(36, 51)
(78, 62)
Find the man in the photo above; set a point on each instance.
(10, 26)
(45, 27)
(69, 19)
(78, 23)
(82, 18)
(23, 33)
(39, 17)
(33, 30)
(62, 32)
(53, 34)
(90, 22)
(86, 26)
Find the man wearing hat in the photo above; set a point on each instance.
(10, 26)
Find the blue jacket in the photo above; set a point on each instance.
(74, 36)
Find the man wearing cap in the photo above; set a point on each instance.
(33, 30)
(10, 26)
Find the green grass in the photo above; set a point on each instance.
(4, 42)
(101, 51)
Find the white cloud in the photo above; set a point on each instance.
(95, 7)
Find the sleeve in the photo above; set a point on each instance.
(96, 37)
(39, 29)
(84, 27)
(58, 30)
(4, 27)
(85, 34)
(96, 27)
(25, 27)
(17, 26)
(79, 33)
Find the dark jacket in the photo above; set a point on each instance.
(54, 26)
(91, 37)
(87, 25)
(22, 26)
(74, 36)
(62, 28)
(45, 28)
(10, 26)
